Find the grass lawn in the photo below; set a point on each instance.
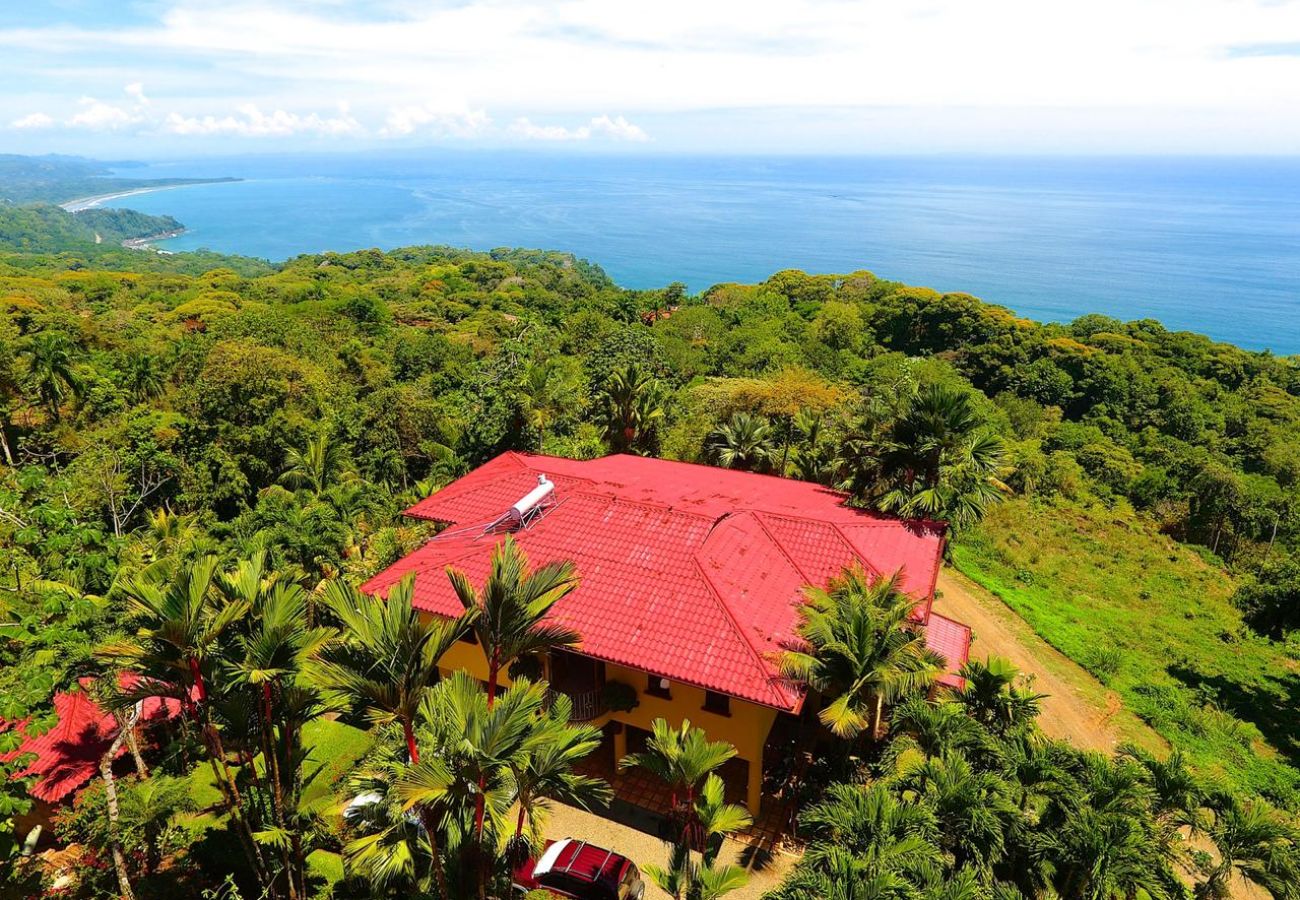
(1152, 620)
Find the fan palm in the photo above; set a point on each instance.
(937, 460)
(743, 442)
(387, 656)
(861, 650)
(628, 407)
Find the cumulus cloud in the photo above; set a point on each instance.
(617, 128)
(96, 115)
(33, 121)
(253, 122)
(433, 119)
(136, 90)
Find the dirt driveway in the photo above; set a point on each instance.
(1078, 708)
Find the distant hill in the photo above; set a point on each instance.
(58, 179)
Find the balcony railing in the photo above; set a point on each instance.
(587, 705)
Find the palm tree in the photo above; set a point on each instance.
(937, 460)
(546, 773)
(743, 442)
(481, 749)
(319, 464)
(269, 659)
(387, 656)
(548, 388)
(862, 649)
(681, 757)
(144, 376)
(510, 608)
(51, 370)
(865, 843)
(972, 808)
(628, 407)
(716, 818)
(992, 696)
(1254, 842)
(181, 619)
(685, 879)
(933, 728)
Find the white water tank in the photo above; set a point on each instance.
(529, 501)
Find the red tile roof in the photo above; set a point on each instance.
(68, 755)
(688, 572)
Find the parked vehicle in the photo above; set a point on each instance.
(581, 871)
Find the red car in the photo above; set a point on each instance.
(581, 871)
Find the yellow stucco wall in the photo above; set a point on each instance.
(746, 728)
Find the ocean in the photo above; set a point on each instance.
(1208, 245)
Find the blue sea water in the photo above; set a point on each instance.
(1209, 245)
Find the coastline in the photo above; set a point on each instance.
(83, 203)
(147, 242)
(94, 200)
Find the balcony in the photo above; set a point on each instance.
(587, 705)
(582, 680)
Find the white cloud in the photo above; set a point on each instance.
(617, 128)
(34, 121)
(252, 122)
(428, 118)
(95, 115)
(1184, 65)
(136, 90)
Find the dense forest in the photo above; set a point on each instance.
(176, 419)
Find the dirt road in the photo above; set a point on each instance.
(1078, 708)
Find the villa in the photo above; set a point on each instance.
(690, 579)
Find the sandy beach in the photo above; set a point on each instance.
(95, 200)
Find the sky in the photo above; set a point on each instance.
(157, 78)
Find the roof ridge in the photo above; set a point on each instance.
(735, 623)
(866, 563)
(758, 517)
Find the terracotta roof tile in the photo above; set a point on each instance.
(688, 572)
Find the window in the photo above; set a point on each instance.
(658, 687)
(720, 704)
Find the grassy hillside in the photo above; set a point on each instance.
(1151, 619)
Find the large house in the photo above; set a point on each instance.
(690, 577)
